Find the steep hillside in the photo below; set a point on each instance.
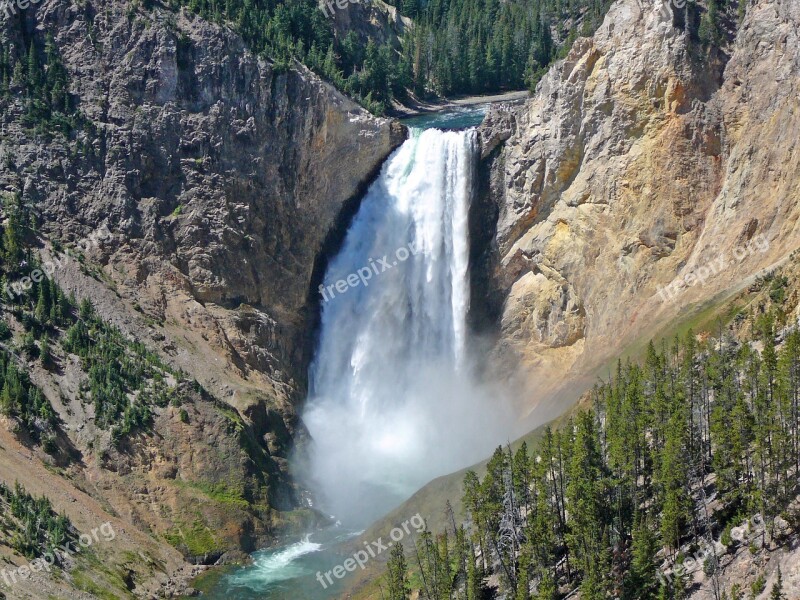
(190, 190)
(645, 161)
(374, 20)
(650, 181)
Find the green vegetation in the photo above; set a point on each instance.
(758, 586)
(713, 23)
(21, 399)
(124, 379)
(193, 540)
(456, 46)
(777, 589)
(118, 368)
(84, 582)
(38, 76)
(481, 46)
(398, 587)
(601, 502)
(220, 492)
(32, 524)
(298, 30)
(101, 579)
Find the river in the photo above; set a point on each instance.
(391, 401)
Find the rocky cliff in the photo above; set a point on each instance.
(219, 185)
(647, 175)
(219, 178)
(368, 19)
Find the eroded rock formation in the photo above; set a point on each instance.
(642, 159)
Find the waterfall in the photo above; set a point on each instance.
(392, 401)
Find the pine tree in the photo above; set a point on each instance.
(86, 310)
(44, 351)
(547, 589)
(410, 8)
(34, 71)
(642, 581)
(398, 586)
(12, 242)
(673, 482)
(710, 32)
(42, 311)
(584, 538)
(6, 402)
(524, 578)
(777, 588)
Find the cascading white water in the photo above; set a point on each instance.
(271, 566)
(392, 399)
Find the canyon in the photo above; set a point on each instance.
(227, 186)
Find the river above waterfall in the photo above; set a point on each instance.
(462, 117)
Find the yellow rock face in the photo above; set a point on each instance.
(639, 181)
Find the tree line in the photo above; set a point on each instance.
(284, 31)
(454, 47)
(37, 75)
(483, 46)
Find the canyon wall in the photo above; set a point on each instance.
(642, 161)
(212, 186)
(218, 178)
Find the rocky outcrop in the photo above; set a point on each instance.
(367, 19)
(643, 161)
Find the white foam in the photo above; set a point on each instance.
(271, 566)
